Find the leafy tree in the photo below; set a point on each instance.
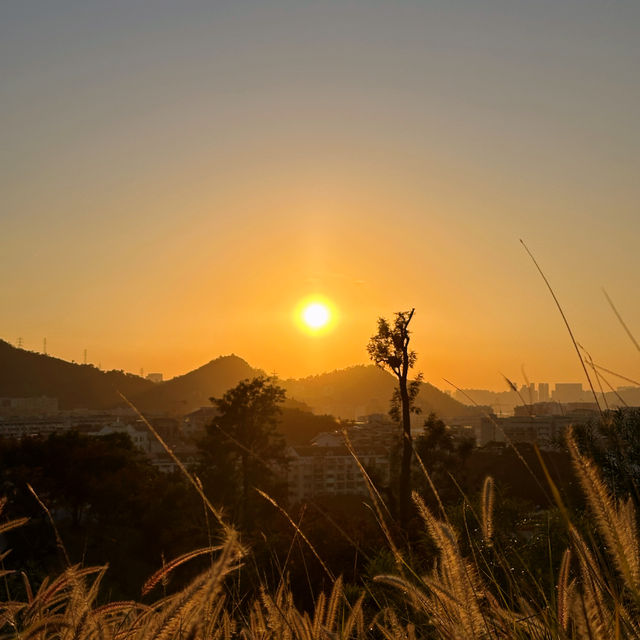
(389, 349)
(300, 427)
(243, 446)
(442, 455)
(108, 502)
(614, 444)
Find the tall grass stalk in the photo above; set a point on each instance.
(596, 594)
(566, 323)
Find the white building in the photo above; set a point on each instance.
(30, 427)
(315, 471)
(140, 436)
(545, 431)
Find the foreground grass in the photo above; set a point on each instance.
(596, 592)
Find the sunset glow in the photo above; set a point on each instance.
(299, 247)
(316, 315)
(252, 155)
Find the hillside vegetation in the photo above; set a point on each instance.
(361, 390)
(345, 393)
(25, 373)
(186, 393)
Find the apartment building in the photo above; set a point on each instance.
(317, 470)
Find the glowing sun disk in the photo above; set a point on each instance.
(316, 315)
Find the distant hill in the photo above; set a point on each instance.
(346, 393)
(25, 374)
(186, 393)
(361, 390)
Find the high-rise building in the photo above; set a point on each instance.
(568, 392)
(543, 392)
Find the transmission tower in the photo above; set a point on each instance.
(19, 343)
(44, 347)
(85, 356)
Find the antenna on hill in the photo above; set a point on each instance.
(85, 356)
(19, 343)
(44, 347)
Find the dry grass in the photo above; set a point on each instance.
(596, 593)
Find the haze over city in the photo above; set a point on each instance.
(178, 178)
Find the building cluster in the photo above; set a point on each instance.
(332, 463)
(545, 431)
(323, 467)
(564, 393)
(41, 417)
(327, 467)
(316, 470)
(35, 406)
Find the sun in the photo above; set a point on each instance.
(315, 315)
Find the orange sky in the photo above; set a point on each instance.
(177, 180)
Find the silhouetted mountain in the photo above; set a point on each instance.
(25, 374)
(346, 393)
(186, 393)
(360, 390)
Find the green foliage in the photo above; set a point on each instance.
(74, 473)
(300, 427)
(614, 444)
(243, 448)
(487, 568)
(186, 393)
(24, 373)
(444, 458)
(389, 348)
(109, 505)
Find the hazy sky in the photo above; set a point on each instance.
(177, 176)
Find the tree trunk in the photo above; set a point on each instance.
(407, 451)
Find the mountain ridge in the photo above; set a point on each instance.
(26, 373)
(345, 393)
(193, 389)
(364, 389)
